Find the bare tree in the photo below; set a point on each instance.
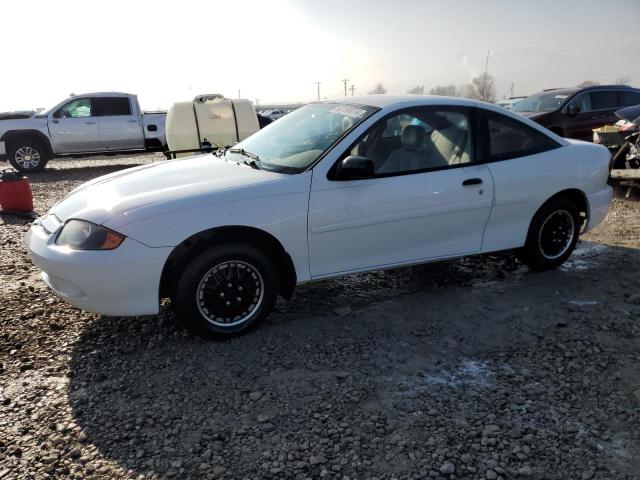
(588, 83)
(378, 89)
(623, 80)
(445, 90)
(484, 87)
(465, 91)
(418, 90)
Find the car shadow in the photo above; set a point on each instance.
(160, 401)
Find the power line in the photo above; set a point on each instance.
(345, 80)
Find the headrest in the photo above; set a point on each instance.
(413, 137)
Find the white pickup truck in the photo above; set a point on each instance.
(91, 123)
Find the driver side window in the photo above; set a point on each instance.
(417, 140)
(583, 102)
(79, 108)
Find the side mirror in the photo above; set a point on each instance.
(573, 109)
(57, 114)
(355, 168)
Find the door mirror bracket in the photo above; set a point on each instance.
(573, 109)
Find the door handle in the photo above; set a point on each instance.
(133, 121)
(472, 181)
(90, 122)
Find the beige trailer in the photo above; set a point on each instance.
(209, 121)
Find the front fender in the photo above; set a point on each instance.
(280, 210)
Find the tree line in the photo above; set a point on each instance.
(482, 87)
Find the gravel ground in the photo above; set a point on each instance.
(474, 369)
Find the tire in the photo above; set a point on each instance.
(552, 235)
(28, 155)
(207, 306)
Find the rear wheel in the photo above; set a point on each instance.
(27, 155)
(226, 290)
(552, 236)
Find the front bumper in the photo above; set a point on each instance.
(599, 203)
(120, 282)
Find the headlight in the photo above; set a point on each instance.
(81, 235)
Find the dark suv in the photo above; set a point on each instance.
(575, 112)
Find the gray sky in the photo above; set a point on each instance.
(274, 51)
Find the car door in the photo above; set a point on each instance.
(74, 127)
(595, 110)
(527, 167)
(119, 125)
(426, 199)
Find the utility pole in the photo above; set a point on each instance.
(353, 89)
(484, 80)
(511, 90)
(345, 80)
(318, 84)
(238, 93)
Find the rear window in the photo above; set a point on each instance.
(604, 100)
(508, 138)
(111, 106)
(627, 99)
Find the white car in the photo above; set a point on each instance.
(331, 189)
(509, 103)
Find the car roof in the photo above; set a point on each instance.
(385, 100)
(572, 90)
(103, 94)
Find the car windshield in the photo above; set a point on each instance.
(295, 141)
(542, 102)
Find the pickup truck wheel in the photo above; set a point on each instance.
(226, 290)
(552, 236)
(27, 156)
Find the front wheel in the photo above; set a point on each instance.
(552, 236)
(226, 290)
(27, 156)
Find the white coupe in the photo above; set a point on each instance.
(333, 188)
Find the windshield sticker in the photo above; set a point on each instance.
(561, 96)
(348, 111)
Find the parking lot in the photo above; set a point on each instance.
(475, 368)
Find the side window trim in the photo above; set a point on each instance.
(471, 116)
(75, 99)
(617, 92)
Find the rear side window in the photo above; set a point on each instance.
(111, 106)
(506, 138)
(627, 99)
(604, 100)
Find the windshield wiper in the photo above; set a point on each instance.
(253, 163)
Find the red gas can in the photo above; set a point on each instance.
(15, 192)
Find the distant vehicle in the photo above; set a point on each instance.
(90, 123)
(575, 112)
(333, 188)
(509, 103)
(277, 113)
(624, 137)
(209, 121)
(263, 120)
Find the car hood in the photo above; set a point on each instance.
(147, 190)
